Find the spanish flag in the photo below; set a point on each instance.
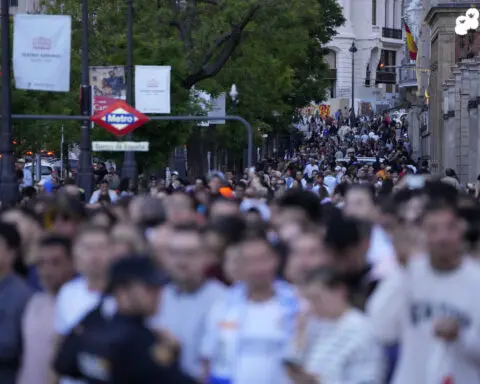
(412, 46)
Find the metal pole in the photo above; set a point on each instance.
(353, 49)
(62, 143)
(245, 123)
(129, 168)
(8, 177)
(353, 90)
(85, 176)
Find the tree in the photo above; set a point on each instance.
(270, 49)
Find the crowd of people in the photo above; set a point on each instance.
(319, 269)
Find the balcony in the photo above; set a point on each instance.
(386, 77)
(392, 33)
(408, 76)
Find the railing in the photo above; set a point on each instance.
(386, 78)
(408, 76)
(392, 33)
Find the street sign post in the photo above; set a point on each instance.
(120, 118)
(120, 146)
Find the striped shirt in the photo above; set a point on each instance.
(347, 354)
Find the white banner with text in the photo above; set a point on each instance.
(41, 52)
(152, 88)
(120, 146)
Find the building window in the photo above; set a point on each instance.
(374, 12)
(14, 3)
(388, 61)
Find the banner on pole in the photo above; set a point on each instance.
(152, 88)
(120, 146)
(108, 86)
(218, 108)
(41, 52)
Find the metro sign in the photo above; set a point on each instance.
(120, 118)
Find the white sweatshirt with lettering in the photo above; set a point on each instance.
(405, 307)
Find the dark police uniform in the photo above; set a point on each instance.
(121, 349)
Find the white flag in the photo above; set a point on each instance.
(152, 88)
(41, 52)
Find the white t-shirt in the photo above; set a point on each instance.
(74, 301)
(262, 344)
(406, 305)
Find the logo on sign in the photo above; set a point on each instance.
(152, 83)
(119, 118)
(41, 44)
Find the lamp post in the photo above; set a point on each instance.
(8, 177)
(85, 175)
(234, 96)
(353, 49)
(129, 169)
(466, 27)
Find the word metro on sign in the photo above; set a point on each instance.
(120, 146)
(120, 118)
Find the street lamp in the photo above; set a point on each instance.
(466, 26)
(353, 49)
(8, 177)
(129, 169)
(234, 95)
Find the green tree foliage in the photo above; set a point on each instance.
(270, 48)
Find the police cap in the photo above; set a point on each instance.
(136, 268)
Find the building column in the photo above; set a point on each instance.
(456, 114)
(473, 68)
(464, 170)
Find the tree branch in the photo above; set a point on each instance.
(227, 43)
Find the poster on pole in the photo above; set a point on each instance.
(218, 108)
(152, 88)
(41, 52)
(108, 86)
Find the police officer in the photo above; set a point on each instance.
(121, 349)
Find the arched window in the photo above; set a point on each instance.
(330, 59)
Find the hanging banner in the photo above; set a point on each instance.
(108, 86)
(152, 88)
(218, 108)
(41, 52)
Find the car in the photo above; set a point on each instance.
(45, 171)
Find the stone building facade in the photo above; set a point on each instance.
(376, 28)
(444, 55)
(461, 124)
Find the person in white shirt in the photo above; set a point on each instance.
(428, 305)
(186, 301)
(103, 194)
(249, 331)
(360, 204)
(92, 256)
(343, 349)
(310, 168)
(330, 181)
(27, 174)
